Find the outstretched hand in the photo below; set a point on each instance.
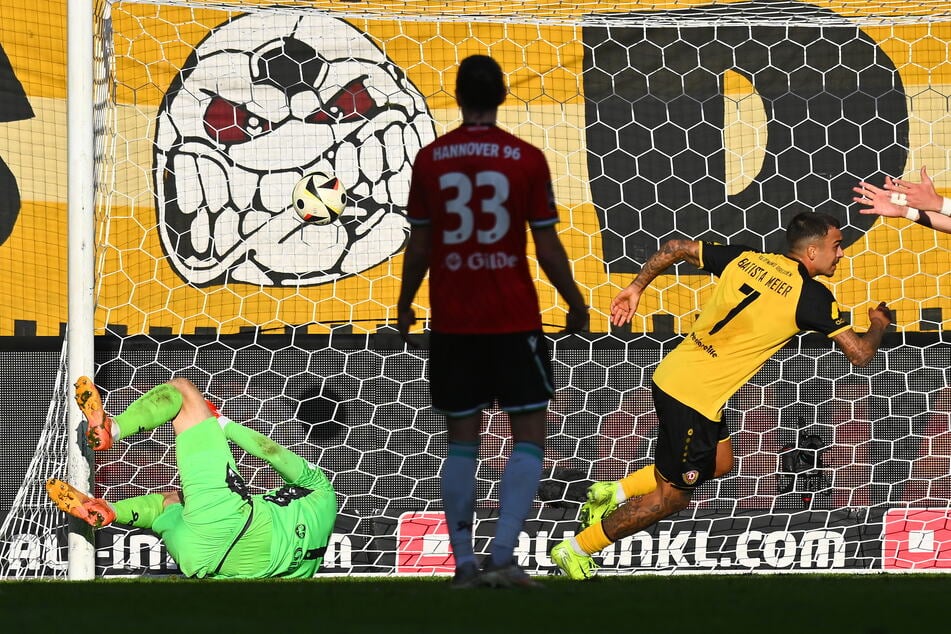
(624, 305)
(921, 195)
(877, 201)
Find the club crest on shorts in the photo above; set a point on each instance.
(690, 477)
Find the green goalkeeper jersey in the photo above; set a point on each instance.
(221, 530)
(286, 537)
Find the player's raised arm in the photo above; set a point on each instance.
(625, 303)
(860, 349)
(288, 464)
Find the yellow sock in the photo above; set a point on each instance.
(593, 539)
(641, 482)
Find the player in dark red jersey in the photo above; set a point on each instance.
(473, 192)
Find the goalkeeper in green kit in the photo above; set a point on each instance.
(213, 527)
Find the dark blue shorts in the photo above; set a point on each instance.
(468, 373)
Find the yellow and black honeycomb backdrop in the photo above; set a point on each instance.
(671, 119)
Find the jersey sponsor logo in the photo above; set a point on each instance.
(706, 347)
(837, 316)
(237, 484)
(453, 261)
(481, 261)
(296, 559)
(285, 495)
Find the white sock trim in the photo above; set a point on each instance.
(575, 547)
(619, 495)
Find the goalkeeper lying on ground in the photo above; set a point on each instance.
(214, 527)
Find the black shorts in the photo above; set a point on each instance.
(468, 373)
(686, 453)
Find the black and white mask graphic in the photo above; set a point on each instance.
(261, 101)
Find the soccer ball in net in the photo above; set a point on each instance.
(319, 198)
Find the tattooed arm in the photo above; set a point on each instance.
(860, 349)
(625, 303)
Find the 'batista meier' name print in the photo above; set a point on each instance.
(759, 273)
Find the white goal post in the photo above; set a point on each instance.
(81, 243)
(190, 121)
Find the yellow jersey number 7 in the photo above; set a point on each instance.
(750, 296)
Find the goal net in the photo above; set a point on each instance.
(717, 121)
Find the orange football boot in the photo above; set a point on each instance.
(98, 424)
(94, 511)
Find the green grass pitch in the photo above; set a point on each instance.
(695, 604)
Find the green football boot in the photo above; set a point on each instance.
(577, 567)
(601, 503)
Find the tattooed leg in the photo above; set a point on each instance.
(639, 513)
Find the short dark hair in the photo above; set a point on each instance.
(480, 83)
(808, 226)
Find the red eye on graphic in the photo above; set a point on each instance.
(230, 123)
(350, 104)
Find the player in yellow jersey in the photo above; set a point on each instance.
(761, 301)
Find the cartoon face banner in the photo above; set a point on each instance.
(264, 99)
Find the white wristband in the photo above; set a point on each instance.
(912, 214)
(946, 206)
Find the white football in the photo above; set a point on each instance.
(319, 198)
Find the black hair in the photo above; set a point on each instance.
(480, 84)
(809, 226)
